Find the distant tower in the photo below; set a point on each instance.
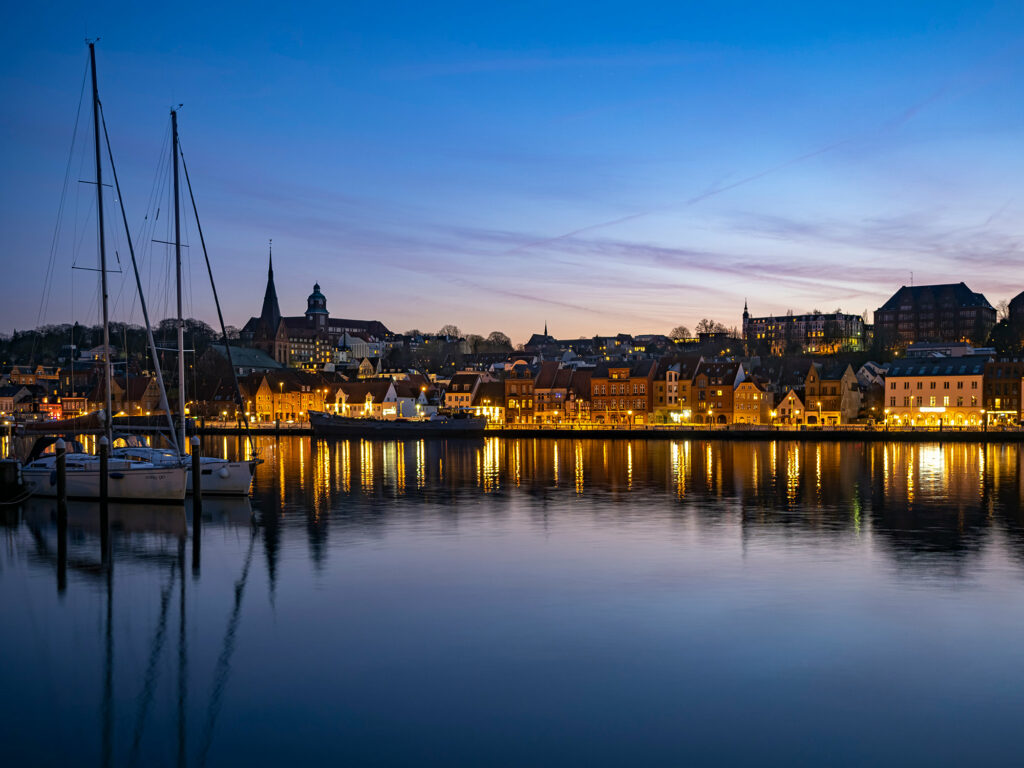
(316, 308)
(746, 323)
(545, 329)
(271, 313)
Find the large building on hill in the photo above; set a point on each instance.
(309, 341)
(817, 333)
(934, 313)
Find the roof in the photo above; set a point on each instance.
(973, 365)
(463, 382)
(247, 357)
(358, 391)
(492, 391)
(958, 293)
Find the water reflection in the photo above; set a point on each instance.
(456, 560)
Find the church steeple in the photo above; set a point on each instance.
(271, 313)
(545, 329)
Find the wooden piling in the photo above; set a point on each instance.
(197, 505)
(104, 499)
(62, 515)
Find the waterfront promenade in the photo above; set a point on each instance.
(844, 433)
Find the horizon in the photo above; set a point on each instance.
(516, 169)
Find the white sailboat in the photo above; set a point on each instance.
(126, 479)
(219, 476)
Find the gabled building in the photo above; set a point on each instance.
(519, 397)
(623, 393)
(713, 387)
(752, 403)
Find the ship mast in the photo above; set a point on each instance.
(177, 266)
(109, 417)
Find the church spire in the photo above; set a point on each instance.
(545, 329)
(271, 313)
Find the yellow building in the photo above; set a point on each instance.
(933, 392)
(751, 404)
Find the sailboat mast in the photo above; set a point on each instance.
(177, 266)
(109, 417)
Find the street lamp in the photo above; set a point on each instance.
(819, 413)
(886, 419)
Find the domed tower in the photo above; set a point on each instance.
(316, 308)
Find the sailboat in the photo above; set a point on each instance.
(126, 479)
(219, 476)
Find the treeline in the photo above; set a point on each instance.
(55, 344)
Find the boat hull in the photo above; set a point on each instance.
(232, 478)
(150, 484)
(344, 426)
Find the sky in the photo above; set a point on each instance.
(601, 167)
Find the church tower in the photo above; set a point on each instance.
(316, 308)
(271, 314)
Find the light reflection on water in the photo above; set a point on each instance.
(532, 602)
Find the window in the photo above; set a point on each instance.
(892, 385)
(931, 401)
(920, 385)
(945, 385)
(945, 400)
(974, 401)
(892, 401)
(931, 385)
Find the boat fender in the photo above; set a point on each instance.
(116, 475)
(223, 473)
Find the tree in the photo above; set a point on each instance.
(413, 332)
(706, 325)
(498, 342)
(450, 330)
(475, 342)
(1003, 310)
(679, 332)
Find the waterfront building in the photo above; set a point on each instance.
(1004, 382)
(933, 313)
(458, 395)
(831, 394)
(519, 397)
(936, 392)
(665, 403)
(622, 393)
(489, 401)
(713, 388)
(816, 333)
(284, 395)
(378, 399)
(130, 396)
(790, 410)
(752, 403)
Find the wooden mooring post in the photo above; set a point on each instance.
(104, 500)
(62, 515)
(197, 505)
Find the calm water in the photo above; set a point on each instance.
(533, 602)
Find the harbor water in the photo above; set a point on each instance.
(531, 602)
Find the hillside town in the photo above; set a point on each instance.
(935, 356)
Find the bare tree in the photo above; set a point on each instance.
(679, 332)
(1002, 310)
(450, 330)
(706, 325)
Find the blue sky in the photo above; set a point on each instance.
(601, 166)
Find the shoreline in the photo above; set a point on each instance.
(676, 433)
